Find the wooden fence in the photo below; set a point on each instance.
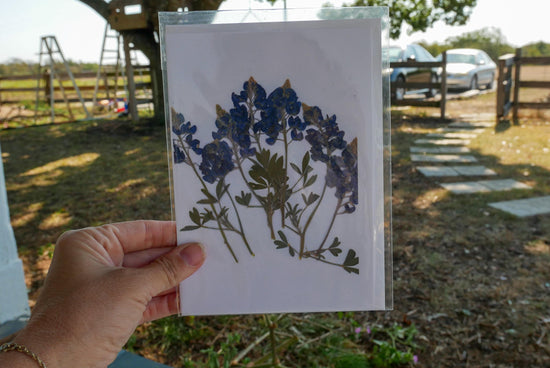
(509, 83)
(441, 84)
(19, 94)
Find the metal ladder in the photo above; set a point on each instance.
(49, 47)
(110, 51)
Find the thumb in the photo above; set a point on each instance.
(172, 268)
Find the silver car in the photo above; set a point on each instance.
(469, 69)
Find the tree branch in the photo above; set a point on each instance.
(100, 6)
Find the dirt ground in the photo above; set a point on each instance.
(473, 280)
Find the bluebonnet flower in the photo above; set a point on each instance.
(282, 101)
(235, 125)
(342, 175)
(297, 126)
(179, 155)
(252, 92)
(217, 161)
(324, 137)
(185, 131)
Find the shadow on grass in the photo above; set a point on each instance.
(474, 278)
(75, 175)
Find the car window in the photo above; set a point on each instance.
(424, 55)
(461, 58)
(395, 53)
(409, 52)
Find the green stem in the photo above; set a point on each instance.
(273, 341)
(312, 214)
(283, 192)
(338, 205)
(240, 225)
(211, 205)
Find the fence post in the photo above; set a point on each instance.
(443, 83)
(500, 89)
(515, 105)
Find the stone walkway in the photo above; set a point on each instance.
(446, 147)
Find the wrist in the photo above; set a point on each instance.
(42, 342)
(17, 355)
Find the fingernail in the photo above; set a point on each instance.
(192, 254)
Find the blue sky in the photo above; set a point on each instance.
(79, 29)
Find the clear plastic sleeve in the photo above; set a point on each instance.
(278, 139)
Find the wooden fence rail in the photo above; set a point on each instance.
(508, 86)
(45, 89)
(441, 84)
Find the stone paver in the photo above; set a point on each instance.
(484, 186)
(504, 184)
(477, 124)
(487, 116)
(473, 170)
(465, 187)
(456, 135)
(443, 142)
(525, 207)
(437, 171)
(455, 171)
(462, 130)
(443, 149)
(443, 158)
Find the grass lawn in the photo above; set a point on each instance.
(471, 283)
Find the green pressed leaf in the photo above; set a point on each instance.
(352, 270)
(335, 251)
(190, 227)
(304, 198)
(207, 201)
(195, 216)
(240, 200)
(312, 198)
(351, 258)
(219, 189)
(207, 216)
(305, 162)
(244, 199)
(256, 186)
(296, 168)
(335, 243)
(207, 194)
(280, 244)
(291, 251)
(282, 236)
(310, 181)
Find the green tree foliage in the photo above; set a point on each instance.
(489, 39)
(536, 49)
(422, 14)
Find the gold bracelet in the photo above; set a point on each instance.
(22, 349)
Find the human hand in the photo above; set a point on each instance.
(103, 282)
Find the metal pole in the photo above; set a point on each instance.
(94, 101)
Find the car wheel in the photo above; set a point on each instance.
(492, 81)
(432, 91)
(473, 83)
(399, 93)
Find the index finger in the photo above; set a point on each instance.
(142, 234)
